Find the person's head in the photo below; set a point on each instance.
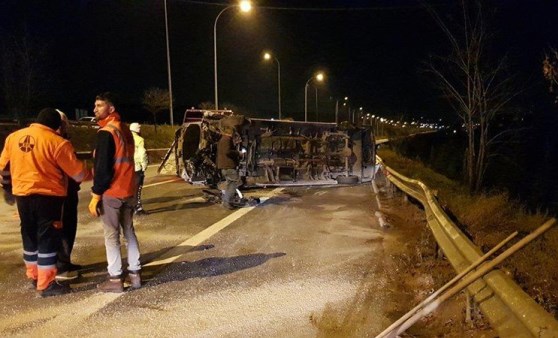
(104, 105)
(49, 117)
(65, 123)
(135, 127)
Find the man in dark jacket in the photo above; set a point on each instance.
(227, 161)
(66, 269)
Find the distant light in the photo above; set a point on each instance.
(320, 76)
(360, 108)
(267, 56)
(245, 6)
(455, 131)
(346, 98)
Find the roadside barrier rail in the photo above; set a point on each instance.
(510, 311)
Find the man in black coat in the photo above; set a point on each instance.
(227, 161)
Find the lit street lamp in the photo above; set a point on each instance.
(319, 77)
(245, 6)
(268, 56)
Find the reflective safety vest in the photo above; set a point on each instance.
(39, 160)
(123, 182)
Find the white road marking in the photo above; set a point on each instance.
(213, 229)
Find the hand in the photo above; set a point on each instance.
(95, 205)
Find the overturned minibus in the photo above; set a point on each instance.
(273, 152)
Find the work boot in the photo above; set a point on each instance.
(140, 212)
(55, 289)
(67, 275)
(135, 279)
(111, 285)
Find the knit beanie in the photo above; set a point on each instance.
(50, 118)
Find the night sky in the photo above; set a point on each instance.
(371, 51)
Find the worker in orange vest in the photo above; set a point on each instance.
(113, 191)
(37, 158)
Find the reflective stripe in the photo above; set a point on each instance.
(122, 160)
(46, 255)
(4, 173)
(30, 252)
(47, 267)
(30, 262)
(47, 259)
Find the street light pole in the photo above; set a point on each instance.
(336, 111)
(245, 6)
(268, 56)
(319, 77)
(316, 104)
(306, 100)
(168, 65)
(216, 88)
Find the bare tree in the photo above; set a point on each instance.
(156, 100)
(477, 86)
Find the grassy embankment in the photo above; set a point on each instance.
(490, 217)
(83, 138)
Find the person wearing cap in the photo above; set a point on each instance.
(38, 160)
(112, 194)
(140, 165)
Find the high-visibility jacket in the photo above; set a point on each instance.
(39, 160)
(140, 154)
(122, 184)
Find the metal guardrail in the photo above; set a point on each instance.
(511, 312)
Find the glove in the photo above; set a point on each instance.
(95, 206)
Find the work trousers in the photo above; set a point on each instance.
(232, 182)
(117, 214)
(140, 176)
(69, 226)
(41, 227)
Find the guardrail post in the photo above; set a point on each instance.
(468, 308)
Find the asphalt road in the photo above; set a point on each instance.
(305, 262)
